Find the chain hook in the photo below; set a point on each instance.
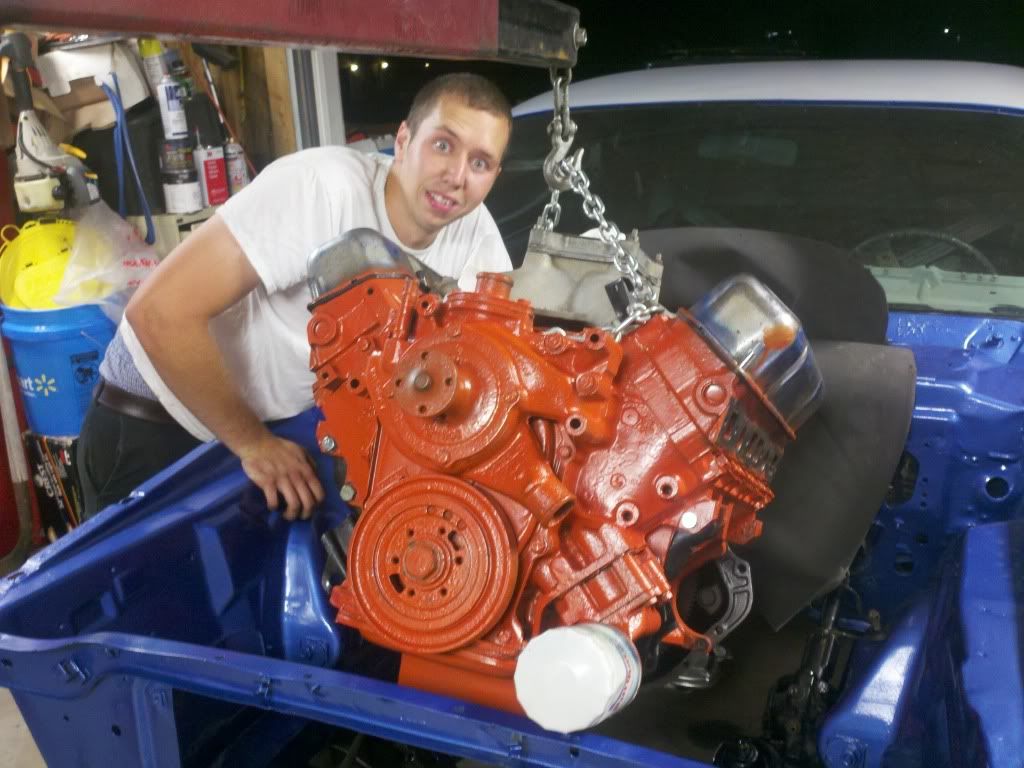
(554, 174)
(561, 131)
(563, 172)
(560, 179)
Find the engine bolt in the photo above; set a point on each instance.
(348, 492)
(714, 393)
(327, 444)
(421, 561)
(422, 381)
(689, 520)
(586, 384)
(554, 344)
(579, 36)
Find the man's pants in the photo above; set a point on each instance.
(116, 453)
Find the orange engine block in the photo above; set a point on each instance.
(510, 479)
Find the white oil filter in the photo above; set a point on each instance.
(571, 678)
(182, 193)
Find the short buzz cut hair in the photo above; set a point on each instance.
(472, 90)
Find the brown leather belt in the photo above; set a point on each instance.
(116, 399)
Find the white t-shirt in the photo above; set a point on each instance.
(295, 205)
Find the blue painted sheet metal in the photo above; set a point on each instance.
(867, 719)
(121, 685)
(966, 435)
(190, 585)
(945, 688)
(991, 604)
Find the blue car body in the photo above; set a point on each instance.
(186, 625)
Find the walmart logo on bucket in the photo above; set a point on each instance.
(38, 385)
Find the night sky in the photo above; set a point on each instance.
(988, 30)
(634, 35)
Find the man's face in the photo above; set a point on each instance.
(446, 168)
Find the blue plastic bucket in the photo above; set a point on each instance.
(57, 355)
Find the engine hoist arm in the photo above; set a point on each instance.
(542, 33)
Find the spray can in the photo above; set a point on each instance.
(238, 173)
(182, 193)
(152, 52)
(175, 89)
(213, 174)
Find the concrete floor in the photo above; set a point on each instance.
(17, 749)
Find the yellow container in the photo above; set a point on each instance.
(32, 262)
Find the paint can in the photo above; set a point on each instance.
(176, 156)
(238, 172)
(213, 175)
(182, 192)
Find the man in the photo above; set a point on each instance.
(214, 344)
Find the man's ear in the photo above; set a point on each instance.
(401, 140)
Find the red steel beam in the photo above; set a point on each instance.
(532, 32)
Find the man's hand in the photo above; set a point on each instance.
(281, 467)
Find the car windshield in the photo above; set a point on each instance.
(929, 198)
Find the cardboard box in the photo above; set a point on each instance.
(73, 77)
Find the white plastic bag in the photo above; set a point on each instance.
(109, 259)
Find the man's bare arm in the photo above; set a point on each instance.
(170, 314)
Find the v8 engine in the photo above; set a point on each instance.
(532, 499)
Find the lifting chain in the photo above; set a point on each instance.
(563, 172)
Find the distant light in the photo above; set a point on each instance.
(945, 30)
(384, 65)
(353, 67)
(426, 65)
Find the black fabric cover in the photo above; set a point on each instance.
(834, 296)
(833, 479)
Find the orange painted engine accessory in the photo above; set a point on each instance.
(512, 479)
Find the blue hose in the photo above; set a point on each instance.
(123, 146)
